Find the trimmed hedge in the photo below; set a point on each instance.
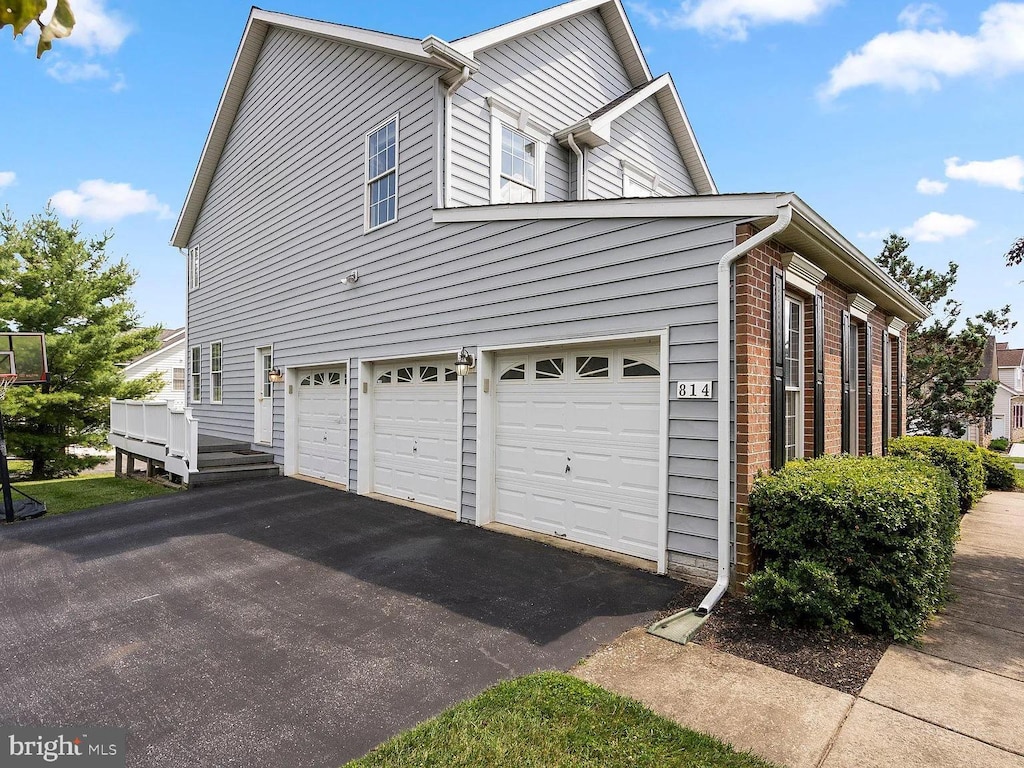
(999, 444)
(846, 541)
(958, 457)
(1000, 472)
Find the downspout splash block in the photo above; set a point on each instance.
(679, 627)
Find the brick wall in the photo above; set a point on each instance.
(753, 377)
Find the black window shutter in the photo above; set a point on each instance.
(886, 391)
(847, 355)
(819, 375)
(869, 390)
(778, 415)
(901, 385)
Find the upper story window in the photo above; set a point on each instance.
(637, 182)
(193, 267)
(382, 174)
(518, 182)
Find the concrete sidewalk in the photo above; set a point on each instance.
(955, 701)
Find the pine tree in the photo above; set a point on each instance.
(941, 360)
(55, 281)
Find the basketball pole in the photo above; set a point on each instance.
(5, 474)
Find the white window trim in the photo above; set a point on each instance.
(184, 379)
(366, 173)
(801, 355)
(220, 371)
(640, 175)
(518, 120)
(195, 374)
(193, 267)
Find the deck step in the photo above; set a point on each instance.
(232, 474)
(237, 458)
(221, 444)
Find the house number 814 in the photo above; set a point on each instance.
(694, 390)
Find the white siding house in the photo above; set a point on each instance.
(168, 361)
(367, 206)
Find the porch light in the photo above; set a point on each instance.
(275, 375)
(464, 362)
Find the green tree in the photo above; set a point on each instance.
(943, 355)
(21, 13)
(54, 281)
(1016, 253)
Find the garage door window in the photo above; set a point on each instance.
(404, 375)
(384, 378)
(632, 368)
(549, 368)
(321, 379)
(592, 367)
(515, 372)
(428, 373)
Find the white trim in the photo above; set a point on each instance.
(896, 326)
(802, 274)
(192, 400)
(519, 121)
(193, 268)
(459, 420)
(801, 388)
(221, 372)
(367, 181)
(258, 370)
(860, 306)
(663, 439)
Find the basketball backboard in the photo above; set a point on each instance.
(25, 355)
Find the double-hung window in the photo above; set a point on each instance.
(793, 356)
(178, 379)
(216, 372)
(382, 174)
(518, 180)
(195, 374)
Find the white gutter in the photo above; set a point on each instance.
(459, 82)
(580, 170)
(785, 216)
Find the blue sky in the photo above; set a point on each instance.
(882, 116)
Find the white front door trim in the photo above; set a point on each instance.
(262, 412)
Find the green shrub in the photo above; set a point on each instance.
(1000, 472)
(958, 457)
(1000, 444)
(854, 541)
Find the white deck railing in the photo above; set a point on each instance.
(156, 429)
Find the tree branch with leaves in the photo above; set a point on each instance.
(20, 14)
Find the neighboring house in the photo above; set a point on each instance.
(1005, 366)
(168, 361)
(368, 205)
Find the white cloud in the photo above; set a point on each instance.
(875, 234)
(7, 178)
(107, 201)
(935, 227)
(1007, 172)
(731, 18)
(919, 59)
(931, 186)
(96, 28)
(921, 15)
(68, 72)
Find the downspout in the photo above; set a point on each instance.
(460, 81)
(724, 400)
(580, 170)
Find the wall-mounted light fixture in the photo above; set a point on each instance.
(275, 375)
(464, 362)
(351, 278)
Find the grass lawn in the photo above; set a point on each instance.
(549, 720)
(74, 493)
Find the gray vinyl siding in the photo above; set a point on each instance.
(283, 223)
(559, 75)
(467, 511)
(643, 137)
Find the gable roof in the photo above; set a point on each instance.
(431, 51)
(612, 13)
(169, 337)
(1009, 358)
(595, 129)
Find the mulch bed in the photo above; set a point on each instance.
(840, 661)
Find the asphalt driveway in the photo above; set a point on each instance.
(280, 623)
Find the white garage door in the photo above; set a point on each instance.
(576, 437)
(415, 421)
(322, 418)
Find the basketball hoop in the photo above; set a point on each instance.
(6, 381)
